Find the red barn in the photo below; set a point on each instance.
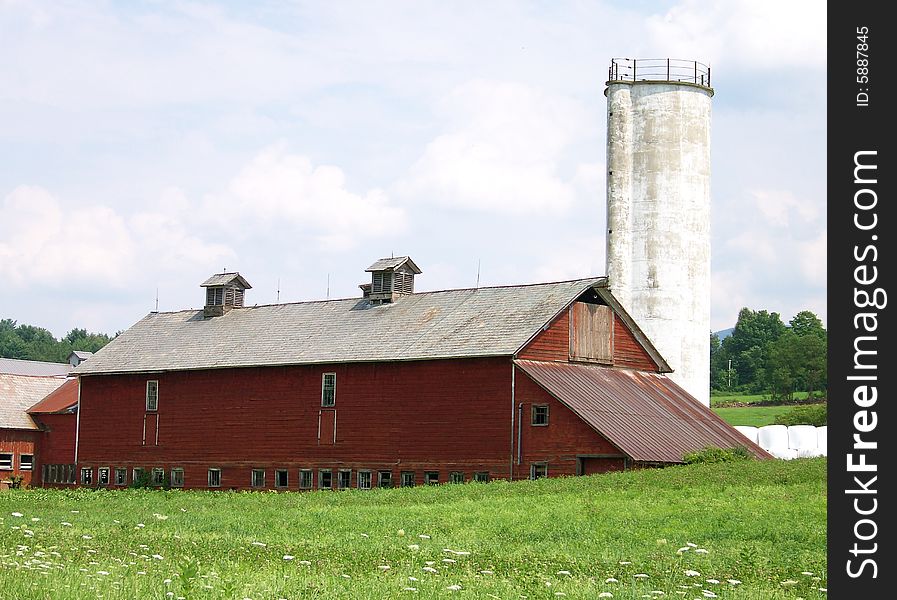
(22, 383)
(394, 388)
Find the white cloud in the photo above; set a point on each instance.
(776, 206)
(501, 151)
(285, 194)
(758, 34)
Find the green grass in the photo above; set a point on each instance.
(721, 399)
(752, 415)
(760, 523)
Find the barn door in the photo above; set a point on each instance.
(151, 429)
(327, 427)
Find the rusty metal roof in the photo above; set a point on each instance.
(62, 399)
(18, 393)
(646, 415)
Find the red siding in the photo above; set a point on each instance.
(562, 441)
(628, 352)
(551, 344)
(433, 415)
(17, 442)
(56, 444)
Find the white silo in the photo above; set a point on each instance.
(658, 207)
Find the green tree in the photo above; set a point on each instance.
(749, 345)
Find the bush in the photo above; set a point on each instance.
(815, 414)
(712, 454)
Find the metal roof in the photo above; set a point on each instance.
(82, 354)
(646, 415)
(61, 400)
(494, 321)
(226, 279)
(18, 393)
(35, 368)
(391, 263)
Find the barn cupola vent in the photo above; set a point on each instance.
(390, 279)
(224, 291)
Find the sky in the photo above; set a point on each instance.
(145, 146)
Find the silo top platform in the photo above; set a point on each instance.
(659, 70)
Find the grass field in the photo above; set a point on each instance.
(748, 530)
(752, 415)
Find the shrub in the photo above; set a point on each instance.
(711, 454)
(814, 414)
(15, 481)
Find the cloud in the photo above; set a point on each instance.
(754, 34)
(500, 152)
(285, 193)
(777, 206)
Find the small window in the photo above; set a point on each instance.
(214, 296)
(305, 479)
(456, 477)
(6, 461)
(328, 389)
(26, 462)
(325, 479)
(281, 478)
(344, 479)
(52, 473)
(431, 477)
(103, 475)
(214, 477)
(540, 414)
(137, 474)
(364, 480)
(258, 478)
(158, 476)
(538, 470)
(384, 479)
(481, 476)
(68, 472)
(177, 477)
(152, 396)
(87, 476)
(408, 479)
(121, 476)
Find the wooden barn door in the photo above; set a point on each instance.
(151, 429)
(327, 427)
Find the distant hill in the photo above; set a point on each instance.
(724, 333)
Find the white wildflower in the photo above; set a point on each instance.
(66, 524)
(691, 573)
(413, 547)
(641, 575)
(487, 572)
(87, 537)
(102, 572)
(625, 562)
(384, 567)
(166, 581)
(17, 514)
(413, 578)
(789, 582)
(560, 594)
(807, 573)
(139, 526)
(454, 588)
(605, 595)
(611, 580)
(714, 581)
(409, 589)
(563, 572)
(260, 544)
(691, 545)
(344, 576)
(449, 560)
(430, 570)
(734, 581)
(401, 532)
(683, 549)
(36, 519)
(702, 551)
(708, 594)
(288, 557)
(430, 562)
(365, 535)
(305, 562)
(424, 536)
(158, 556)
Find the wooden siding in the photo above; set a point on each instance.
(591, 337)
(551, 344)
(561, 442)
(628, 352)
(56, 443)
(431, 415)
(18, 442)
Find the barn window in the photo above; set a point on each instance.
(281, 478)
(344, 479)
(152, 396)
(305, 479)
(103, 475)
(328, 389)
(214, 477)
(158, 476)
(177, 477)
(6, 461)
(258, 478)
(456, 477)
(540, 414)
(86, 476)
(121, 476)
(538, 470)
(408, 479)
(481, 476)
(325, 479)
(431, 477)
(384, 479)
(364, 480)
(68, 472)
(26, 462)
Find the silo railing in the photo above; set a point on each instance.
(659, 69)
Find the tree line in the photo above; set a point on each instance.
(764, 355)
(28, 342)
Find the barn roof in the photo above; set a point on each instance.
(488, 321)
(61, 400)
(18, 393)
(226, 279)
(646, 415)
(34, 368)
(392, 263)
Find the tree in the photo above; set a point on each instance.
(748, 346)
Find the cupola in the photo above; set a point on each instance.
(224, 291)
(390, 278)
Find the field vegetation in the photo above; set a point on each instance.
(737, 530)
